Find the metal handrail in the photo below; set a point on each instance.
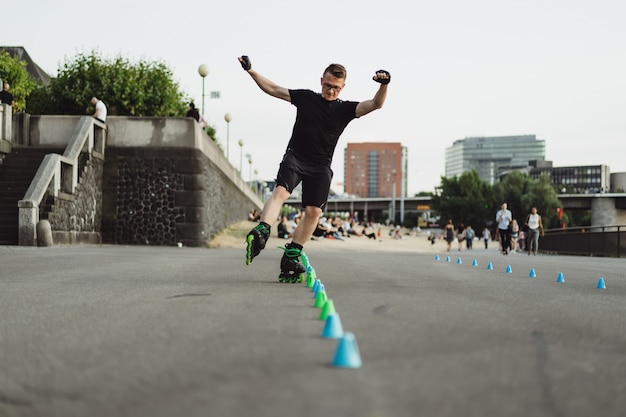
(585, 241)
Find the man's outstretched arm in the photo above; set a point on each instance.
(264, 84)
(383, 77)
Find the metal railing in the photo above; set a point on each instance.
(602, 241)
(59, 174)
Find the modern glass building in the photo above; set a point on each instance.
(588, 179)
(493, 156)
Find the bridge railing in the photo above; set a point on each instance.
(602, 241)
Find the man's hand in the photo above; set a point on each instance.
(245, 62)
(381, 76)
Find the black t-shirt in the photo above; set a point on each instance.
(318, 125)
(6, 97)
(193, 113)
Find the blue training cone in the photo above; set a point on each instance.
(448, 258)
(532, 273)
(459, 261)
(332, 327)
(508, 269)
(601, 285)
(347, 354)
(316, 286)
(320, 288)
(436, 257)
(474, 262)
(559, 278)
(490, 266)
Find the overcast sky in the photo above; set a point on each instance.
(460, 68)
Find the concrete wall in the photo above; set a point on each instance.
(605, 213)
(166, 182)
(163, 181)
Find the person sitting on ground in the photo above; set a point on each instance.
(283, 228)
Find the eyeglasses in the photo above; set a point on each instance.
(327, 86)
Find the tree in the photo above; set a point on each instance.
(128, 89)
(13, 71)
(466, 199)
(521, 193)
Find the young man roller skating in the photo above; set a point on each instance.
(320, 120)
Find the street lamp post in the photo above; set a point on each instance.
(240, 155)
(228, 119)
(203, 70)
(250, 162)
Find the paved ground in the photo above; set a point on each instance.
(140, 331)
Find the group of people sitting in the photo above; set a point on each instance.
(328, 228)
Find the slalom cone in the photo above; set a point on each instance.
(327, 309)
(305, 259)
(311, 276)
(321, 299)
(508, 269)
(316, 286)
(448, 258)
(474, 262)
(347, 354)
(459, 261)
(332, 327)
(601, 285)
(532, 273)
(319, 288)
(436, 257)
(490, 266)
(560, 278)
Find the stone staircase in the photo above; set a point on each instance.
(17, 170)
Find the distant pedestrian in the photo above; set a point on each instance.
(469, 237)
(504, 218)
(101, 109)
(460, 235)
(5, 96)
(486, 237)
(535, 226)
(193, 112)
(449, 229)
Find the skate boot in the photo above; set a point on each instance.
(255, 241)
(291, 270)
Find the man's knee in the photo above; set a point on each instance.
(312, 212)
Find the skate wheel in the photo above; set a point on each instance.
(281, 278)
(300, 278)
(293, 279)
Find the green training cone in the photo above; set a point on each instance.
(321, 299)
(328, 309)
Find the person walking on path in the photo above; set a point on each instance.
(449, 233)
(320, 120)
(535, 226)
(486, 237)
(504, 217)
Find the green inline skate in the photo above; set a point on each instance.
(291, 270)
(256, 240)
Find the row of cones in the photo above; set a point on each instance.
(347, 352)
(532, 274)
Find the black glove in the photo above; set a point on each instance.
(382, 77)
(245, 62)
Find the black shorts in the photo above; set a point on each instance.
(315, 179)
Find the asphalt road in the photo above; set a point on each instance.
(141, 331)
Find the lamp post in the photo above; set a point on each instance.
(250, 162)
(240, 155)
(228, 119)
(203, 70)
